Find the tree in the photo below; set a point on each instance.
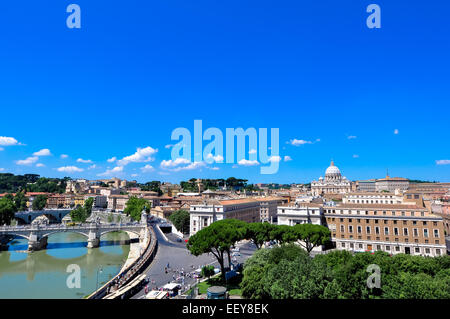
(312, 235)
(7, 209)
(135, 206)
(20, 200)
(283, 234)
(259, 233)
(208, 271)
(88, 206)
(181, 220)
(78, 214)
(39, 202)
(217, 239)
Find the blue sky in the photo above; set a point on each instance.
(136, 70)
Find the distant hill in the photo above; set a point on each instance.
(10, 183)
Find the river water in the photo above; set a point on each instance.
(44, 274)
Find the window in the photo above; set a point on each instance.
(417, 250)
(388, 247)
(396, 231)
(424, 223)
(416, 232)
(360, 245)
(343, 245)
(405, 231)
(359, 229)
(427, 250)
(425, 232)
(350, 229)
(397, 248)
(342, 229)
(368, 229)
(386, 231)
(438, 251)
(377, 230)
(436, 233)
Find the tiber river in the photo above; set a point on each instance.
(43, 274)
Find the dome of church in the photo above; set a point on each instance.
(332, 170)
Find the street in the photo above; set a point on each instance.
(178, 257)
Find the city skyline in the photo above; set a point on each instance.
(109, 95)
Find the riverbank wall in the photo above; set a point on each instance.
(117, 286)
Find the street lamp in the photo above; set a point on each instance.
(98, 270)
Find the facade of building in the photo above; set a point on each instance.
(334, 183)
(203, 215)
(300, 213)
(390, 184)
(393, 228)
(268, 209)
(372, 198)
(117, 203)
(366, 186)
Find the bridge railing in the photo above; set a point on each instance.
(64, 227)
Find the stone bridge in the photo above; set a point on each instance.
(37, 235)
(54, 215)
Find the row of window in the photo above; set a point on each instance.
(388, 248)
(386, 231)
(366, 212)
(385, 221)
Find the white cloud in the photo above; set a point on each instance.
(147, 168)
(174, 163)
(80, 160)
(396, 131)
(28, 161)
(355, 155)
(142, 155)
(134, 175)
(115, 170)
(443, 162)
(245, 162)
(351, 137)
(275, 159)
(2, 149)
(43, 152)
(217, 159)
(70, 169)
(214, 168)
(92, 166)
(112, 159)
(252, 151)
(235, 166)
(287, 158)
(192, 166)
(296, 142)
(40, 165)
(1, 169)
(8, 141)
(64, 156)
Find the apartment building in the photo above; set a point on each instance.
(205, 214)
(117, 203)
(268, 208)
(300, 213)
(393, 228)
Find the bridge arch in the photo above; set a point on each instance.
(134, 231)
(17, 235)
(85, 234)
